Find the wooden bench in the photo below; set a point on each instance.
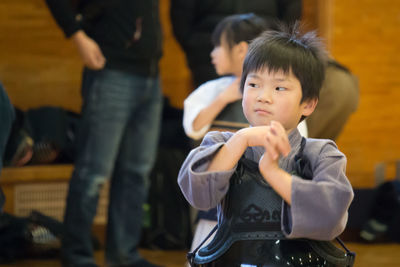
(15, 179)
(43, 188)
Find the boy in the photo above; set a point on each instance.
(216, 104)
(282, 75)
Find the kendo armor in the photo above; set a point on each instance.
(249, 233)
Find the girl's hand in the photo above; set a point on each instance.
(232, 93)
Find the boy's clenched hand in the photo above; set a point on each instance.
(276, 144)
(272, 137)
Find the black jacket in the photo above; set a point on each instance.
(127, 31)
(193, 22)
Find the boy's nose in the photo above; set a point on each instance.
(264, 96)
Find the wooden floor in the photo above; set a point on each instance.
(387, 255)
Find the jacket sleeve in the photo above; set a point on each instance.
(64, 15)
(203, 189)
(319, 206)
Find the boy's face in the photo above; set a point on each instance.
(274, 96)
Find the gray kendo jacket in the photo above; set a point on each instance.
(319, 206)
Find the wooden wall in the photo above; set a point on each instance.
(39, 67)
(366, 38)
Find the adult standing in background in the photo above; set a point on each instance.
(194, 20)
(120, 45)
(338, 99)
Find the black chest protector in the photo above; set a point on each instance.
(231, 117)
(249, 232)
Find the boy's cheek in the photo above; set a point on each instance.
(245, 104)
(245, 94)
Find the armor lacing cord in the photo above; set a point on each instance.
(190, 255)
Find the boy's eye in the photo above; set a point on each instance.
(253, 85)
(280, 88)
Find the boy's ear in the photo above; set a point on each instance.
(309, 106)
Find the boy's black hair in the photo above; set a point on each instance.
(238, 28)
(288, 50)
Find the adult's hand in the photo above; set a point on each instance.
(89, 51)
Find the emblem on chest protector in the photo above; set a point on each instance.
(256, 214)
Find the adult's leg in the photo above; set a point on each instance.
(104, 118)
(130, 179)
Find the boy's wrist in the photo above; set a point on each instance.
(279, 180)
(242, 135)
(271, 171)
(229, 154)
(239, 140)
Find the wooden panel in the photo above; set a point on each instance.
(38, 66)
(38, 173)
(8, 191)
(317, 16)
(309, 16)
(366, 39)
(175, 75)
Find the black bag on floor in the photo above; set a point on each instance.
(46, 133)
(14, 237)
(374, 214)
(53, 130)
(34, 236)
(384, 218)
(167, 221)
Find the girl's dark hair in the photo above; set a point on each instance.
(238, 28)
(289, 50)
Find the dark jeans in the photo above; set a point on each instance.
(117, 140)
(7, 116)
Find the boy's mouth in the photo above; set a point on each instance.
(262, 112)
